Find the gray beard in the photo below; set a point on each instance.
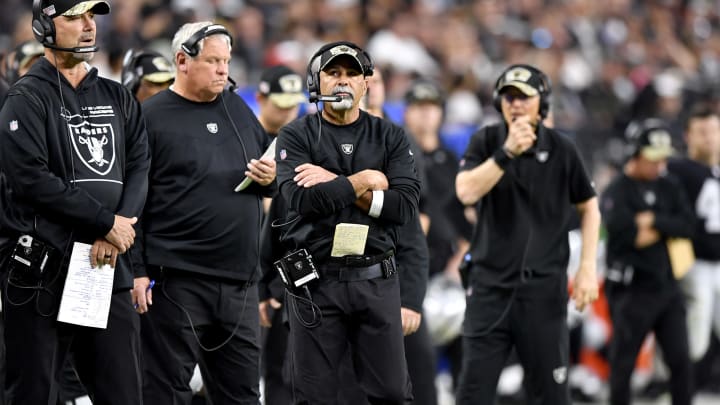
(83, 56)
(342, 105)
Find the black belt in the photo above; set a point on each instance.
(351, 273)
(359, 261)
(333, 270)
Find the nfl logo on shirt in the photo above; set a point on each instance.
(13, 125)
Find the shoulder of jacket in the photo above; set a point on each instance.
(620, 179)
(27, 86)
(670, 179)
(560, 138)
(490, 135)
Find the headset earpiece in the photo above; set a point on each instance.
(544, 88)
(497, 102)
(43, 27)
(312, 78)
(192, 46)
(129, 76)
(11, 67)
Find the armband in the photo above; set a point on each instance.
(378, 198)
(503, 157)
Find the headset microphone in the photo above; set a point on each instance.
(77, 49)
(233, 85)
(329, 99)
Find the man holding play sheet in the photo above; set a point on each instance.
(642, 209)
(75, 155)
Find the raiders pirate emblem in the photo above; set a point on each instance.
(212, 127)
(95, 145)
(542, 156)
(650, 197)
(347, 148)
(560, 375)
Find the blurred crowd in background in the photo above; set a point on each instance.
(610, 61)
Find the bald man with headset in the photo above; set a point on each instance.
(75, 155)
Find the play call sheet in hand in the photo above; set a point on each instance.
(86, 297)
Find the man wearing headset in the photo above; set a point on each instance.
(17, 63)
(200, 233)
(75, 155)
(349, 180)
(523, 179)
(642, 208)
(146, 73)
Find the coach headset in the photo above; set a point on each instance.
(191, 47)
(43, 29)
(42, 26)
(313, 67)
(129, 76)
(543, 88)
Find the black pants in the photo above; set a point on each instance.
(185, 309)
(277, 387)
(420, 355)
(107, 360)
(533, 319)
(422, 366)
(634, 314)
(362, 317)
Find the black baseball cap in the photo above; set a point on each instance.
(25, 52)
(54, 8)
(654, 143)
(424, 91)
(527, 80)
(335, 49)
(282, 86)
(154, 68)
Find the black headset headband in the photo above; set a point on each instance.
(191, 46)
(635, 129)
(128, 76)
(312, 77)
(42, 26)
(544, 90)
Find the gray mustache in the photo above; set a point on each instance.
(344, 89)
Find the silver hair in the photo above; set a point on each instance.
(187, 31)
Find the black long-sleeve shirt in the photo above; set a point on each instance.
(367, 143)
(623, 199)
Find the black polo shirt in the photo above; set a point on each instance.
(523, 222)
